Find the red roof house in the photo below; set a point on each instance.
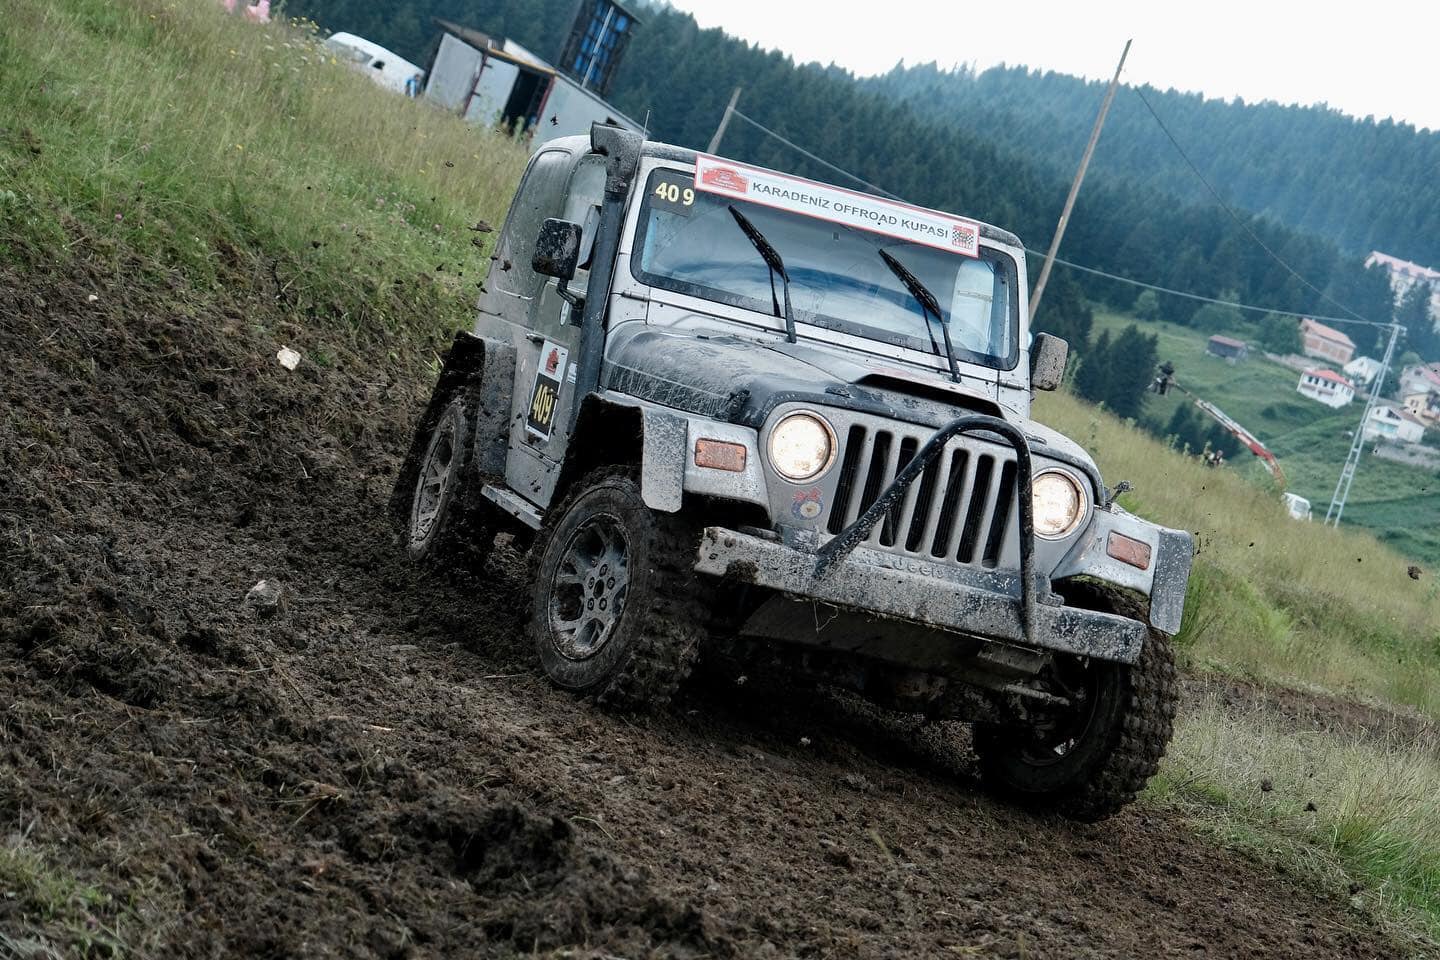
(1325, 343)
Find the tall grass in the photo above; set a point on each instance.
(1272, 597)
(1343, 807)
(182, 140)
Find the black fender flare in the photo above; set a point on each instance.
(488, 366)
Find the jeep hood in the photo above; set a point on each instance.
(741, 380)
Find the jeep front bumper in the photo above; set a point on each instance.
(984, 604)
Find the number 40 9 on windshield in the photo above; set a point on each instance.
(672, 196)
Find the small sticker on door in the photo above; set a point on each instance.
(545, 394)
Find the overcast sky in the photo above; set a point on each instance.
(1380, 58)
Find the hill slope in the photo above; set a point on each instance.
(1394, 501)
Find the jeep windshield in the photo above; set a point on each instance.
(688, 242)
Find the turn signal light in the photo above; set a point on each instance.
(719, 455)
(1128, 550)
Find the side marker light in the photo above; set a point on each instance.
(1128, 550)
(720, 455)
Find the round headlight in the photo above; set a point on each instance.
(1059, 504)
(802, 446)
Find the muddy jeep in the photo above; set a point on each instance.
(732, 410)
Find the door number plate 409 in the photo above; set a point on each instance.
(545, 393)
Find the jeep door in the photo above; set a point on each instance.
(542, 326)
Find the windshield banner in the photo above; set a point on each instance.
(837, 205)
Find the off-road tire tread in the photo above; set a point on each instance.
(1140, 739)
(667, 641)
(466, 535)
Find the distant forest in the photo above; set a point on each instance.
(1366, 184)
(1001, 155)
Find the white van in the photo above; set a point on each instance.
(388, 69)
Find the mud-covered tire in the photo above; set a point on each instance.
(1120, 747)
(649, 648)
(441, 525)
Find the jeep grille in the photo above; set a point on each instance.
(961, 510)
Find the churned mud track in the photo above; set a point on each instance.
(374, 768)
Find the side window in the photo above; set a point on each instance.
(539, 197)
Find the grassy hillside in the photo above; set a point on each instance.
(228, 145)
(1391, 500)
(196, 151)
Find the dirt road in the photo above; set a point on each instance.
(375, 769)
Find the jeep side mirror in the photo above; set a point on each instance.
(557, 249)
(1047, 361)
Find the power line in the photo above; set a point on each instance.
(1195, 296)
(875, 188)
(1239, 221)
(820, 160)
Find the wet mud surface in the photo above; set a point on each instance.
(375, 769)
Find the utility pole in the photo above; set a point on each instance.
(724, 122)
(1352, 460)
(1075, 187)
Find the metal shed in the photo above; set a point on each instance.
(494, 82)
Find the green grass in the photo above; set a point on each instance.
(183, 142)
(66, 917)
(1340, 809)
(1306, 606)
(1392, 500)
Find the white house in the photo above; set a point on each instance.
(1362, 370)
(1327, 386)
(1391, 421)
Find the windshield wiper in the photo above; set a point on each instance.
(928, 305)
(771, 256)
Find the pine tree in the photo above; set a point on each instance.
(1065, 312)
(1132, 367)
(1093, 381)
(1181, 426)
(1414, 314)
(1279, 334)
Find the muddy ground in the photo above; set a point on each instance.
(377, 770)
